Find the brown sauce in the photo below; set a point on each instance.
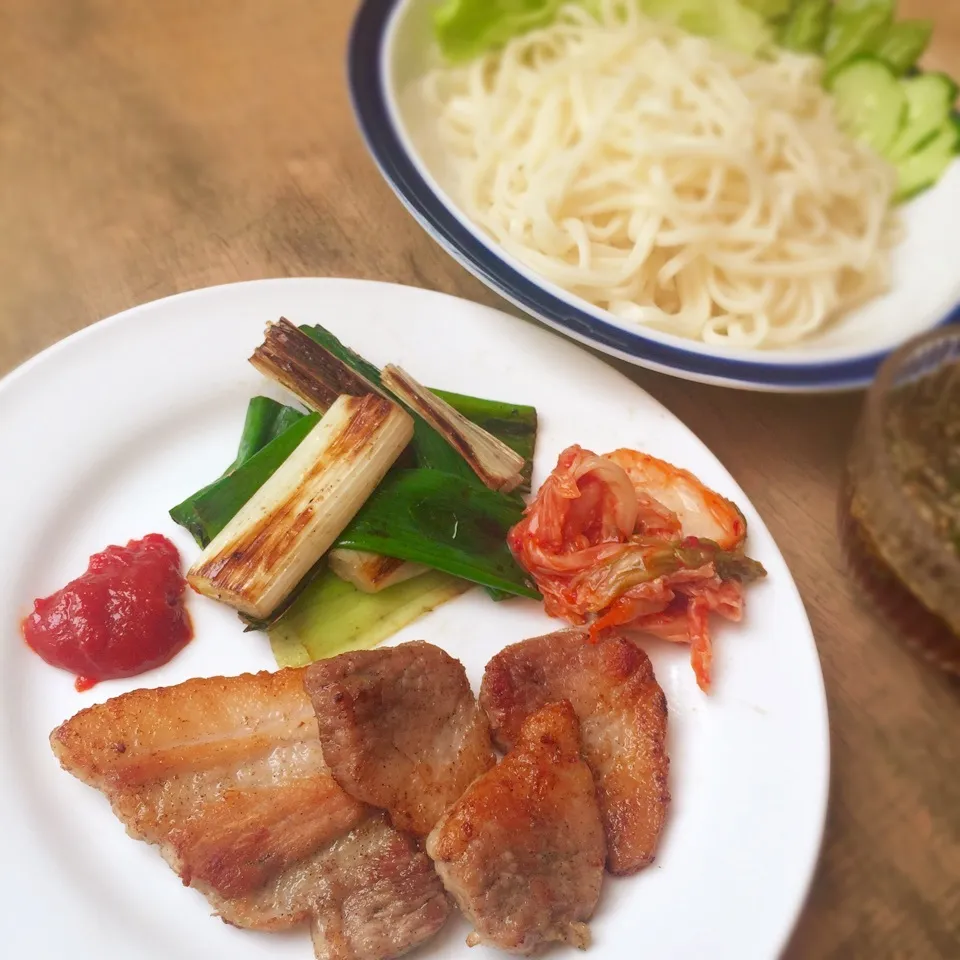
(917, 625)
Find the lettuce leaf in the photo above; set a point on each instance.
(468, 28)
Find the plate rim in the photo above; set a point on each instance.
(143, 313)
(367, 86)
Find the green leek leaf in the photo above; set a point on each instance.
(445, 522)
(208, 511)
(331, 616)
(265, 421)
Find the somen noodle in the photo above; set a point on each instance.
(667, 179)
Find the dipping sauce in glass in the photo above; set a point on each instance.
(899, 511)
(123, 616)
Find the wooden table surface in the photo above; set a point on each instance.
(148, 148)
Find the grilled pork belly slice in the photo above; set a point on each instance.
(401, 729)
(226, 775)
(623, 723)
(370, 895)
(522, 851)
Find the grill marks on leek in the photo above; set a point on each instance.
(318, 377)
(210, 509)
(352, 618)
(497, 466)
(306, 368)
(371, 572)
(514, 424)
(280, 534)
(449, 481)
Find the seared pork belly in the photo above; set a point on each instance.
(370, 895)
(227, 776)
(401, 729)
(522, 851)
(623, 723)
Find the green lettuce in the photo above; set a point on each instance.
(467, 28)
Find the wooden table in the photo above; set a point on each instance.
(148, 148)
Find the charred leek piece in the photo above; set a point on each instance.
(290, 360)
(371, 572)
(332, 616)
(282, 531)
(209, 510)
(343, 353)
(306, 369)
(513, 424)
(318, 377)
(446, 522)
(498, 467)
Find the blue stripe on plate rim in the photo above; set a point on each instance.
(366, 85)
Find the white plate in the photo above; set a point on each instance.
(104, 432)
(392, 47)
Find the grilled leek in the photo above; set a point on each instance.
(206, 512)
(317, 377)
(371, 572)
(317, 371)
(497, 466)
(446, 522)
(293, 361)
(278, 536)
(307, 369)
(331, 617)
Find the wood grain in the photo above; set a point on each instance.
(147, 148)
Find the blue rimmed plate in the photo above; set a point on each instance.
(391, 46)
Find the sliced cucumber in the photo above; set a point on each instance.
(870, 102)
(930, 99)
(925, 167)
(855, 28)
(903, 43)
(805, 28)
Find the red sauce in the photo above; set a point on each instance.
(123, 616)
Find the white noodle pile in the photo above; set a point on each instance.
(667, 179)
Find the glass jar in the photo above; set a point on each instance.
(899, 509)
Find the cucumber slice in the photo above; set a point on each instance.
(805, 28)
(870, 102)
(925, 167)
(855, 28)
(903, 43)
(930, 99)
